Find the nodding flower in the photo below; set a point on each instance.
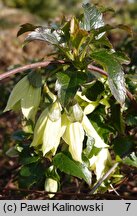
(71, 125)
(26, 97)
(48, 129)
(101, 162)
(51, 185)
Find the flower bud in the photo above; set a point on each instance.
(55, 111)
(51, 185)
(75, 113)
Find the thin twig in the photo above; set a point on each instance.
(113, 189)
(132, 98)
(46, 63)
(99, 70)
(128, 93)
(84, 195)
(29, 66)
(104, 178)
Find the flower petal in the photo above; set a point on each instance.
(51, 137)
(87, 105)
(30, 102)
(55, 111)
(17, 93)
(74, 136)
(101, 163)
(90, 130)
(39, 128)
(51, 185)
(75, 113)
(90, 107)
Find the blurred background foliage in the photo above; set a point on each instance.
(126, 9)
(45, 9)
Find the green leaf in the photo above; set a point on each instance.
(92, 18)
(20, 135)
(77, 35)
(29, 160)
(122, 57)
(122, 145)
(71, 167)
(25, 171)
(35, 79)
(94, 91)
(126, 28)
(103, 42)
(68, 84)
(66, 31)
(32, 174)
(115, 73)
(98, 120)
(90, 149)
(89, 146)
(131, 160)
(44, 34)
(25, 28)
(131, 120)
(104, 9)
(107, 27)
(26, 156)
(117, 119)
(12, 152)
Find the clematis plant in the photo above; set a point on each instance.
(69, 104)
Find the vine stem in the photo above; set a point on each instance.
(97, 69)
(29, 66)
(46, 63)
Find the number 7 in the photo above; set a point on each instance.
(128, 204)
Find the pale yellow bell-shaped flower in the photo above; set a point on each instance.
(48, 129)
(39, 128)
(30, 102)
(74, 136)
(51, 185)
(51, 136)
(88, 105)
(27, 95)
(75, 113)
(52, 131)
(18, 92)
(100, 162)
(91, 132)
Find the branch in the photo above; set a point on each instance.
(29, 66)
(46, 63)
(63, 194)
(104, 178)
(99, 70)
(128, 93)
